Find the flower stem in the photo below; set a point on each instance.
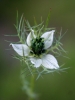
(32, 88)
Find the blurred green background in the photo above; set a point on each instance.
(53, 86)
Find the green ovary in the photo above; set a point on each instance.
(37, 46)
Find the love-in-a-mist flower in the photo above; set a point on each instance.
(35, 48)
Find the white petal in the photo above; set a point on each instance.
(30, 37)
(21, 49)
(48, 36)
(37, 62)
(50, 62)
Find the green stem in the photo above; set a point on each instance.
(32, 87)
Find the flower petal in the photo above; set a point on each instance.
(30, 37)
(50, 62)
(36, 62)
(48, 36)
(21, 49)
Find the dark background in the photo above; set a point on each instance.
(53, 86)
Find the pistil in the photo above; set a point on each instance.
(37, 46)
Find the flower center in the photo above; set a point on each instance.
(37, 46)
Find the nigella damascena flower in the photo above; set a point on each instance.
(35, 48)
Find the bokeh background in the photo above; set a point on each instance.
(53, 86)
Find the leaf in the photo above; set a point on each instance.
(47, 20)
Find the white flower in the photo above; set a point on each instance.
(37, 46)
